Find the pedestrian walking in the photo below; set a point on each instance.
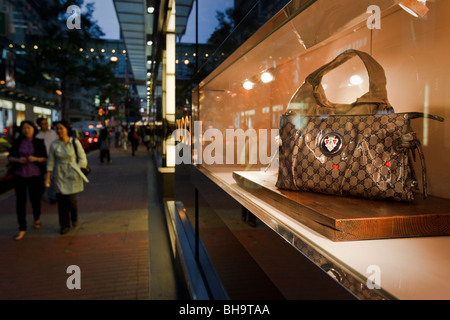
(124, 138)
(48, 135)
(147, 134)
(64, 169)
(117, 139)
(27, 157)
(105, 144)
(133, 136)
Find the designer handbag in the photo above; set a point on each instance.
(362, 149)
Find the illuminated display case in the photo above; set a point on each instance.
(252, 88)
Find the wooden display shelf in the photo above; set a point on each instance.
(348, 218)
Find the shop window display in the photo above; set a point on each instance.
(235, 137)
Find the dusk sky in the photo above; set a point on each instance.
(107, 18)
(207, 22)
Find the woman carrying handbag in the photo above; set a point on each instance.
(65, 162)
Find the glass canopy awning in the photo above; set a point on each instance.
(136, 23)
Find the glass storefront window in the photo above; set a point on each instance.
(6, 118)
(253, 87)
(20, 113)
(237, 109)
(40, 112)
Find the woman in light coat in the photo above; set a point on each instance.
(68, 180)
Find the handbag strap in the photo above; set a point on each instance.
(410, 142)
(417, 115)
(377, 78)
(418, 147)
(75, 148)
(311, 94)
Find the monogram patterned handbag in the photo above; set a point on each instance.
(362, 149)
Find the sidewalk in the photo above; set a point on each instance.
(110, 245)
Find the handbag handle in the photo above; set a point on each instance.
(313, 90)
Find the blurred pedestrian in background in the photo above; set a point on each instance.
(124, 138)
(133, 136)
(68, 180)
(105, 144)
(28, 156)
(48, 135)
(117, 133)
(147, 133)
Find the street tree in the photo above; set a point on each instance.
(58, 55)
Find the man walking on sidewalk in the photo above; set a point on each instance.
(48, 135)
(133, 136)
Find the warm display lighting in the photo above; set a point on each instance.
(418, 8)
(266, 77)
(113, 59)
(356, 80)
(248, 85)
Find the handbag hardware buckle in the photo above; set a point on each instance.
(332, 144)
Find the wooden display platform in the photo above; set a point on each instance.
(348, 218)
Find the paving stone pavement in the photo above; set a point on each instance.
(109, 245)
